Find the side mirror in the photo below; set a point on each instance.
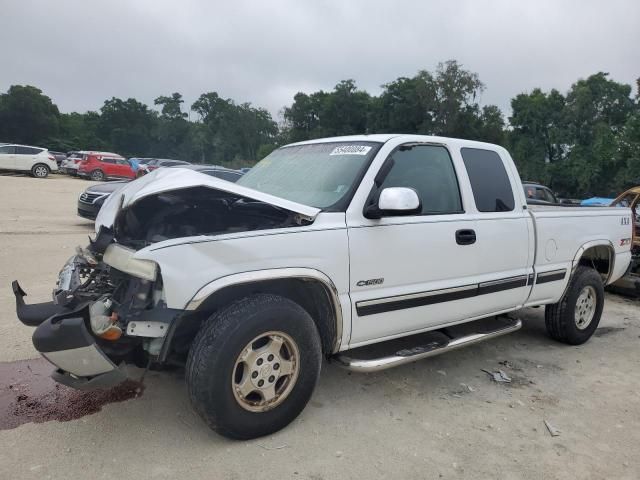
(394, 201)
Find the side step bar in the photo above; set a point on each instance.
(440, 342)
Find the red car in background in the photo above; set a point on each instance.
(101, 166)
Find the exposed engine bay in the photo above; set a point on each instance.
(109, 306)
(110, 300)
(196, 211)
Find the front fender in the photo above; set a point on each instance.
(257, 276)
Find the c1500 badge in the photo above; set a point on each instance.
(368, 283)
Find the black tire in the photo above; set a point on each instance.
(40, 170)
(97, 175)
(211, 365)
(560, 317)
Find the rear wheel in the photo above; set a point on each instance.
(40, 170)
(576, 317)
(253, 366)
(97, 175)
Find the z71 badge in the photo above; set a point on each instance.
(368, 283)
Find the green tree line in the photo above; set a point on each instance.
(583, 142)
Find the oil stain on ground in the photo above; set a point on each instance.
(28, 394)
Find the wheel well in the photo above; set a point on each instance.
(312, 295)
(600, 258)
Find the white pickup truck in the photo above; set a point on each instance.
(371, 251)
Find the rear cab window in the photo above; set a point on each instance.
(490, 182)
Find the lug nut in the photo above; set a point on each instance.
(254, 374)
(271, 379)
(261, 383)
(270, 358)
(259, 362)
(276, 366)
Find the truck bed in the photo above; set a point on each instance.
(560, 231)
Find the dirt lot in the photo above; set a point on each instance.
(439, 418)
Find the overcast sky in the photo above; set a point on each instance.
(81, 52)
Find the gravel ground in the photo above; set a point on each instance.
(439, 418)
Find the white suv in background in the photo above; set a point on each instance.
(24, 158)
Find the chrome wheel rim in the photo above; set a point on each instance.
(40, 171)
(97, 176)
(265, 372)
(585, 307)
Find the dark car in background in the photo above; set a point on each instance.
(538, 194)
(153, 163)
(215, 171)
(91, 200)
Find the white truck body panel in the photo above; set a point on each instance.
(428, 280)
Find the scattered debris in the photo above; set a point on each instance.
(498, 376)
(338, 454)
(552, 430)
(506, 363)
(468, 387)
(442, 372)
(280, 447)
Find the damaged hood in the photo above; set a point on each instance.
(171, 179)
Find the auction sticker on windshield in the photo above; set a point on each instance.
(351, 150)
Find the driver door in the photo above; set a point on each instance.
(412, 272)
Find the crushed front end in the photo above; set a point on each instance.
(111, 304)
(107, 311)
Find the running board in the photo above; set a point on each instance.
(425, 345)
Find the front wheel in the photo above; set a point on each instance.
(40, 171)
(576, 317)
(253, 366)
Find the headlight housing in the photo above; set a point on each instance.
(121, 258)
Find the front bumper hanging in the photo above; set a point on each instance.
(62, 337)
(34, 314)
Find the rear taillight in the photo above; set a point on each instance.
(52, 158)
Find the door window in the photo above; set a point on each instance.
(489, 180)
(108, 160)
(7, 150)
(427, 169)
(28, 150)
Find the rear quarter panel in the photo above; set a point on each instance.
(562, 231)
